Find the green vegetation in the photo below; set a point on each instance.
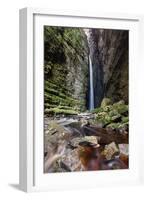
(64, 54)
(112, 115)
(59, 110)
(106, 102)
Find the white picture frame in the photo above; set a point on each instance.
(31, 175)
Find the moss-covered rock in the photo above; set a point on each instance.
(125, 119)
(58, 110)
(105, 102)
(114, 115)
(65, 69)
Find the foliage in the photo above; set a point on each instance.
(106, 102)
(58, 110)
(114, 115)
(60, 44)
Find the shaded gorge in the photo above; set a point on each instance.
(86, 123)
(82, 66)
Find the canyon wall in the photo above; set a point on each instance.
(110, 62)
(66, 67)
(65, 70)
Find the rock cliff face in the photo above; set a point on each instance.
(77, 67)
(66, 68)
(110, 62)
(98, 72)
(85, 69)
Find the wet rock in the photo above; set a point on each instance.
(110, 151)
(65, 121)
(84, 122)
(71, 160)
(90, 139)
(46, 132)
(64, 166)
(124, 153)
(55, 126)
(124, 149)
(124, 159)
(86, 116)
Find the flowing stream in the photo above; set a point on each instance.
(91, 92)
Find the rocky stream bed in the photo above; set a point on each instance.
(87, 141)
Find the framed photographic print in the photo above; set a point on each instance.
(79, 99)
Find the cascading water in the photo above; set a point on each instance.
(91, 91)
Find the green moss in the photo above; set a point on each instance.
(106, 102)
(113, 112)
(125, 119)
(115, 116)
(55, 92)
(58, 110)
(65, 107)
(121, 102)
(97, 110)
(114, 125)
(57, 100)
(121, 108)
(65, 49)
(47, 105)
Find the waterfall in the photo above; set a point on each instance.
(91, 91)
